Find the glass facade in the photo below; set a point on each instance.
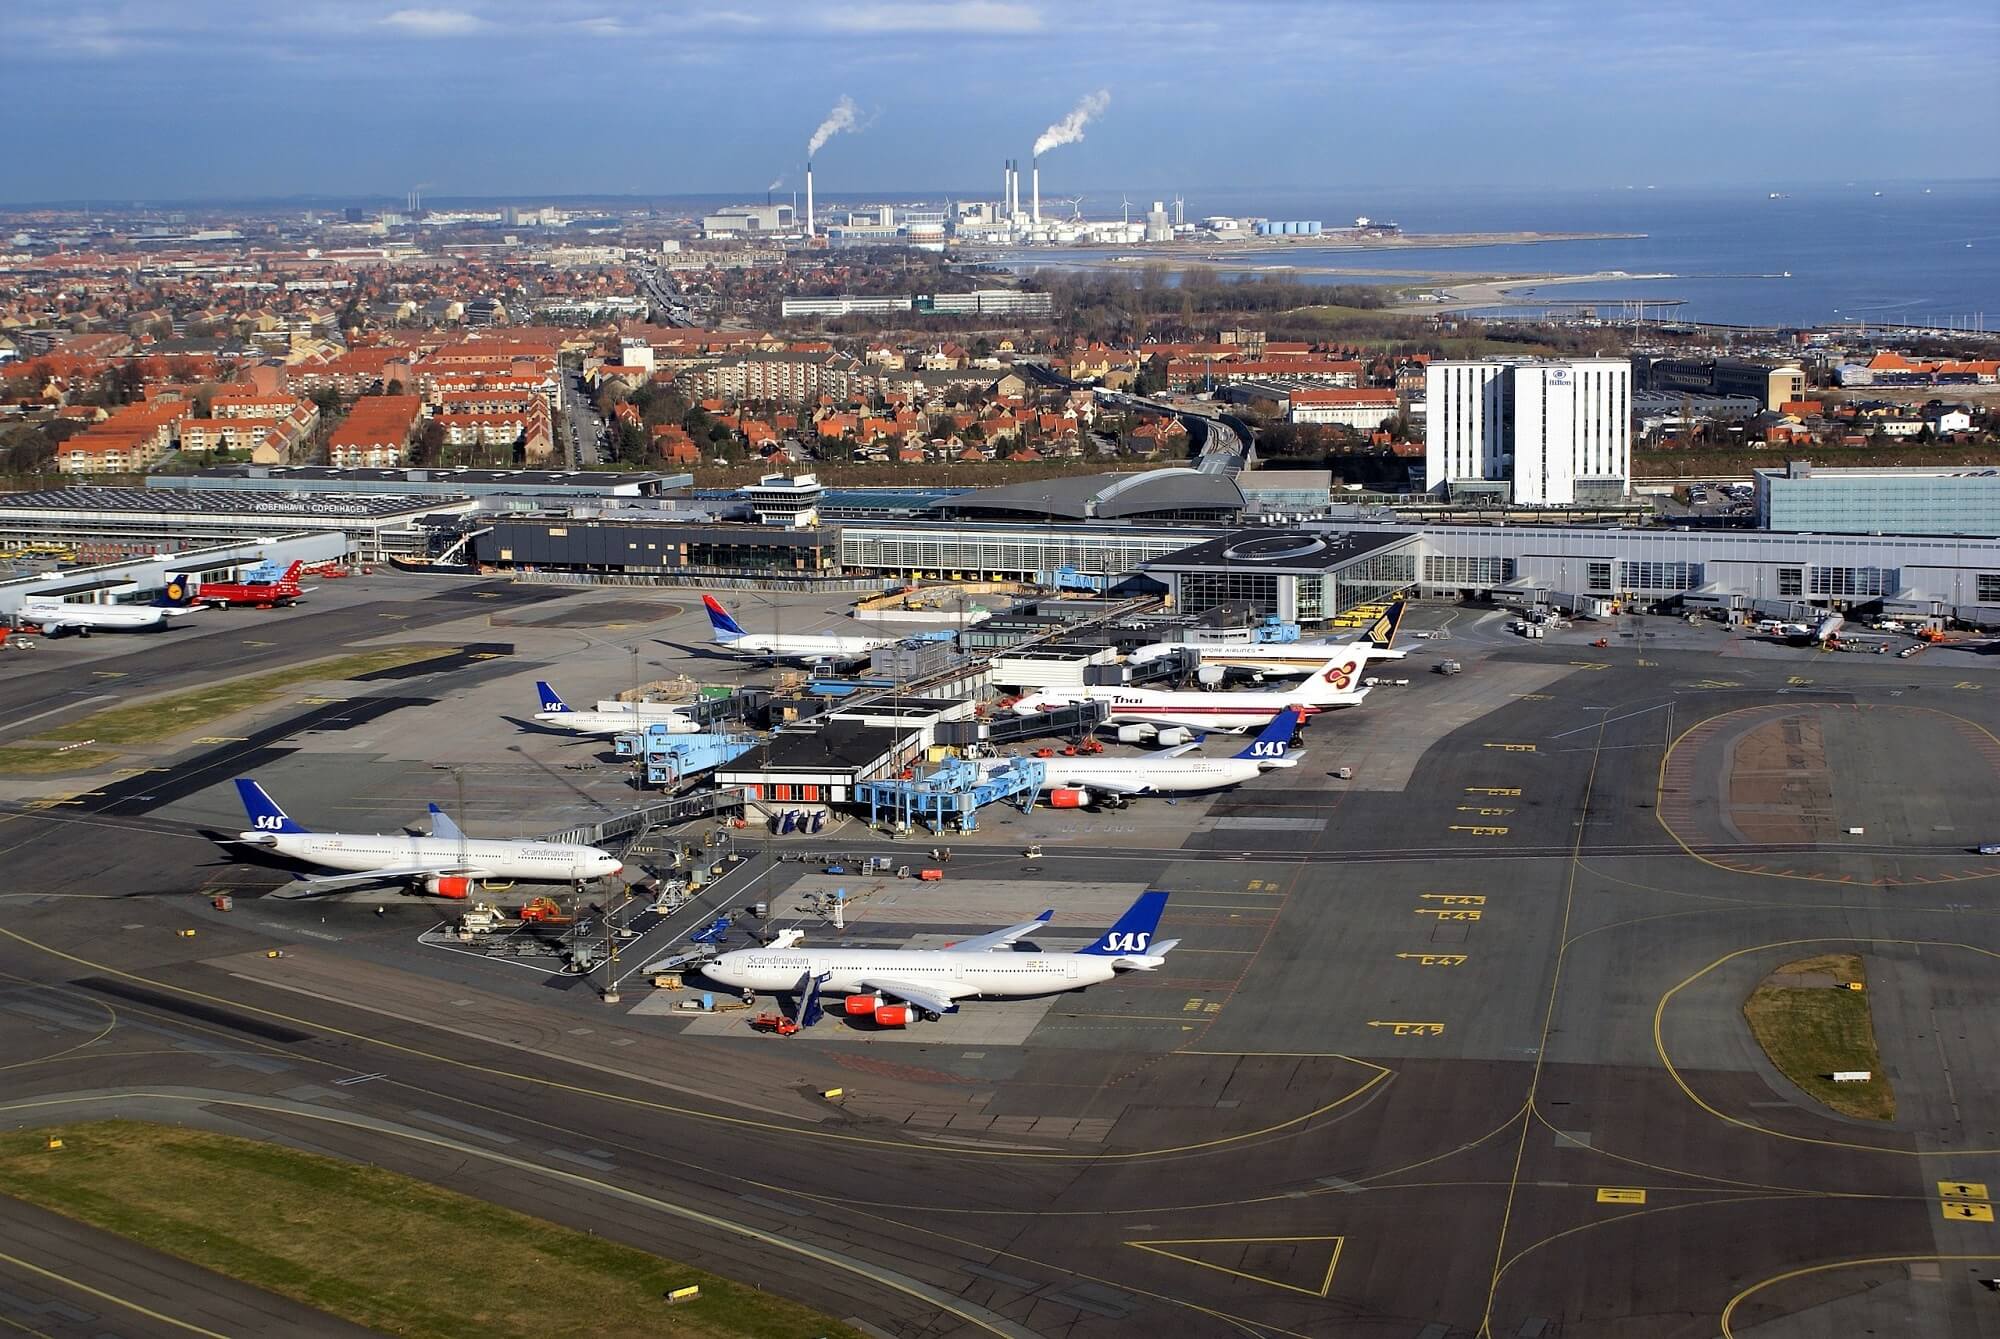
(1466, 572)
(1837, 503)
(1202, 591)
(1662, 576)
(1005, 550)
(1376, 577)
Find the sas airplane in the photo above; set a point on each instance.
(1076, 783)
(447, 863)
(625, 718)
(896, 987)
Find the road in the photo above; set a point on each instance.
(584, 427)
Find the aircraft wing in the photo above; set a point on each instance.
(926, 997)
(323, 883)
(998, 939)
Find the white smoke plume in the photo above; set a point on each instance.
(1070, 129)
(844, 116)
(776, 182)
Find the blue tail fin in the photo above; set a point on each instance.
(442, 826)
(265, 815)
(177, 594)
(1277, 736)
(726, 629)
(551, 701)
(1133, 934)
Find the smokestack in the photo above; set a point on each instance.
(809, 197)
(1006, 181)
(1035, 185)
(1013, 187)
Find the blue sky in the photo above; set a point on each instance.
(180, 99)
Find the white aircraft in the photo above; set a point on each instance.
(806, 648)
(446, 863)
(1163, 716)
(612, 719)
(56, 616)
(895, 987)
(1076, 783)
(1280, 660)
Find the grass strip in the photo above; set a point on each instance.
(1810, 1030)
(27, 760)
(162, 718)
(376, 1248)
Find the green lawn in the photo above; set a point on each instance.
(1809, 1031)
(162, 718)
(375, 1248)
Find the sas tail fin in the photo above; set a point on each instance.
(551, 700)
(265, 815)
(1276, 741)
(1133, 934)
(443, 827)
(177, 594)
(725, 628)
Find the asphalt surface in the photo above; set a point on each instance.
(1450, 1048)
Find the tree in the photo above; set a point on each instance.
(395, 386)
(429, 446)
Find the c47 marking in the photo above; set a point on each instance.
(1435, 959)
(1477, 831)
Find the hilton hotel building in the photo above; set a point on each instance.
(1531, 431)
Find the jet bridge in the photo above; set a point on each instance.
(949, 797)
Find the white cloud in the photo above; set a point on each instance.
(960, 16)
(432, 22)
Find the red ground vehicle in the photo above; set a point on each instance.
(282, 589)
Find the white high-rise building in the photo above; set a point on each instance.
(1555, 430)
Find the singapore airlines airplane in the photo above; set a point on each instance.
(1076, 783)
(446, 863)
(1169, 717)
(1278, 660)
(805, 648)
(895, 987)
(629, 717)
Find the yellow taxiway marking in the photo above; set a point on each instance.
(1456, 899)
(1514, 791)
(1798, 680)
(1477, 830)
(489, 595)
(108, 674)
(1962, 1190)
(320, 701)
(1716, 683)
(1620, 1195)
(1446, 915)
(1409, 1029)
(1484, 811)
(1968, 685)
(248, 642)
(1435, 959)
(1645, 662)
(220, 739)
(484, 655)
(1255, 884)
(1512, 748)
(1244, 1248)
(1964, 1211)
(1589, 664)
(1534, 697)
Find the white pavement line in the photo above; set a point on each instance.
(1611, 720)
(67, 706)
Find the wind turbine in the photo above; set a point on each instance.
(1126, 205)
(1075, 203)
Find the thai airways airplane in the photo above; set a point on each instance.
(446, 863)
(1280, 660)
(1075, 783)
(805, 648)
(896, 987)
(629, 716)
(1169, 717)
(56, 616)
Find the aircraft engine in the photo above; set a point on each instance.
(449, 885)
(1069, 797)
(860, 1006)
(1173, 736)
(1136, 734)
(895, 1015)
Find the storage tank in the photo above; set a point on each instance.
(1313, 228)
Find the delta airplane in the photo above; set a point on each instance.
(1281, 660)
(1076, 783)
(446, 863)
(895, 987)
(804, 648)
(56, 616)
(628, 717)
(1167, 717)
